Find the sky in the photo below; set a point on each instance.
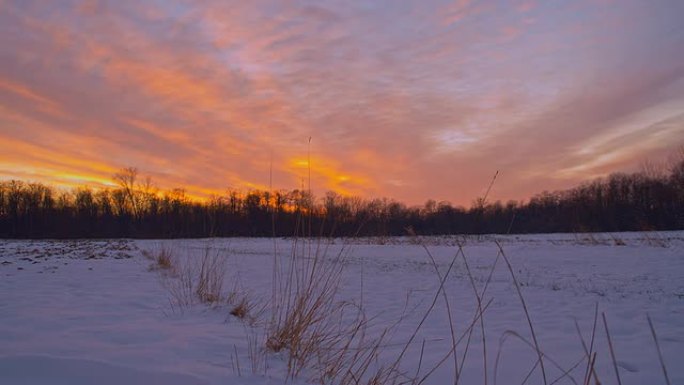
(411, 100)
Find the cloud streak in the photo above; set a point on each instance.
(406, 100)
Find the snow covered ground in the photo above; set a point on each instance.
(94, 312)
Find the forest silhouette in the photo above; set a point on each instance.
(652, 199)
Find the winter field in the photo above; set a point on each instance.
(366, 311)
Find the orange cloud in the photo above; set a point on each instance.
(406, 100)
(44, 104)
(328, 174)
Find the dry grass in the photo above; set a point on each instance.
(590, 239)
(653, 239)
(241, 310)
(192, 280)
(617, 241)
(162, 259)
(306, 314)
(309, 324)
(331, 341)
(612, 351)
(212, 270)
(657, 345)
(589, 357)
(326, 339)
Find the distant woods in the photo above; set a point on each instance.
(649, 200)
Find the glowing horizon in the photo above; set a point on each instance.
(411, 101)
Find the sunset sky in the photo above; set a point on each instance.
(404, 99)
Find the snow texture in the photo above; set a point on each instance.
(94, 312)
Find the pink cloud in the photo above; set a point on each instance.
(407, 101)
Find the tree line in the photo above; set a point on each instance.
(652, 199)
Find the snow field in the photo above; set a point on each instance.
(73, 311)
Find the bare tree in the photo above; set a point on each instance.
(126, 179)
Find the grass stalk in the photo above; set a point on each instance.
(527, 313)
(448, 311)
(612, 351)
(657, 344)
